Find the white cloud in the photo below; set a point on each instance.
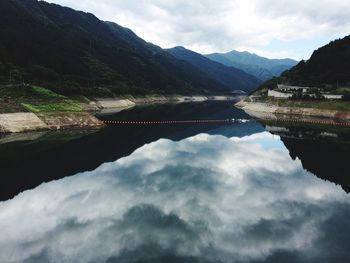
(222, 25)
(206, 197)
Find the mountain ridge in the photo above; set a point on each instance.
(329, 66)
(260, 67)
(327, 69)
(73, 52)
(228, 76)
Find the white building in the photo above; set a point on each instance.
(286, 88)
(286, 91)
(332, 96)
(279, 95)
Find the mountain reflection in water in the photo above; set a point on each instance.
(324, 153)
(207, 198)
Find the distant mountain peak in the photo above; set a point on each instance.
(260, 67)
(180, 47)
(231, 77)
(240, 52)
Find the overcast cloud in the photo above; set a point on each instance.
(284, 28)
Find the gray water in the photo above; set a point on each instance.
(229, 193)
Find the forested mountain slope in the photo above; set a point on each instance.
(74, 52)
(228, 76)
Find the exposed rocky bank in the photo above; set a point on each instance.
(266, 111)
(24, 121)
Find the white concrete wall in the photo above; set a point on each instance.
(332, 96)
(287, 87)
(20, 122)
(114, 103)
(281, 95)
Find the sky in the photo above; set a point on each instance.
(270, 28)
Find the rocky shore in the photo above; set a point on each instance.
(269, 111)
(86, 119)
(115, 103)
(26, 121)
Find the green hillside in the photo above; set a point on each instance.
(73, 52)
(329, 66)
(328, 69)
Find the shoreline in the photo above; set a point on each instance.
(101, 104)
(270, 112)
(21, 122)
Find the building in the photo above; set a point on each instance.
(286, 92)
(279, 95)
(287, 88)
(332, 96)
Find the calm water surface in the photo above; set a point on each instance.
(243, 192)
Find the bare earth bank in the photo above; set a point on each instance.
(27, 121)
(269, 111)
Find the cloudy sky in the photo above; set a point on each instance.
(284, 28)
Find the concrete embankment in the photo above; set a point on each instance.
(24, 122)
(62, 121)
(272, 112)
(20, 122)
(115, 103)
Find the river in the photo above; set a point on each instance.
(239, 191)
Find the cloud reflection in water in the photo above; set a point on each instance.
(204, 199)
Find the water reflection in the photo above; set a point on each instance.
(28, 163)
(325, 153)
(207, 198)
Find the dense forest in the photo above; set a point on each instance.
(74, 52)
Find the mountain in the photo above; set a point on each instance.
(231, 77)
(328, 69)
(73, 52)
(260, 67)
(329, 66)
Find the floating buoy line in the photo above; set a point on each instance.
(227, 121)
(317, 122)
(223, 121)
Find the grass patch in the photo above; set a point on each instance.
(127, 97)
(342, 91)
(325, 105)
(81, 98)
(66, 106)
(37, 99)
(42, 93)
